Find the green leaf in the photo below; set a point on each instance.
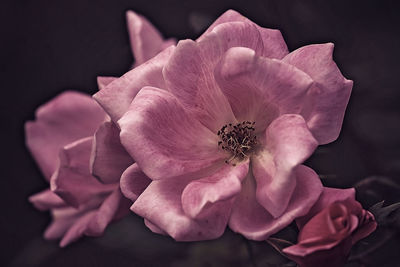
(386, 216)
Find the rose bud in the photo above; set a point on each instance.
(328, 232)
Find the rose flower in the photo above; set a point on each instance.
(332, 227)
(78, 150)
(222, 125)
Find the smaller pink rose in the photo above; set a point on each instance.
(326, 236)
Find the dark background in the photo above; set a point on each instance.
(50, 46)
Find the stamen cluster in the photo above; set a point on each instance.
(238, 139)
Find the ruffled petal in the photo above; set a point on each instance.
(103, 81)
(72, 180)
(189, 77)
(66, 118)
(250, 219)
(258, 88)
(328, 99)
(133, 182)
(118, 95)
(77, 229)
(274, 44)
(63, 219)
(199, 195)
(109, 159)
(160, 204)
(288, 143)
(189, 73)
(146, 40)
(164, 139)
(107, 212)
(154, 228)
(90, 219)
(47, 200)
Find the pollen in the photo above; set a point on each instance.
(238, 139)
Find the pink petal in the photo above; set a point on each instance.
(46, 200)
(288, 144)
(189, 77)
(146, 40)
(63, 219)
(103, 81)
(259, 88)
(89, 219)
(189, 73)
(330, 95)
(66, 118)
(250, 219)
(118, 95)
(366, 227)
(77, 229)
(72, 180)
(160, 204)
(109, 159)
(133, 182)
(106, 213)
(199, 195)
(154, 228)
(228, 16)
(274, 44)
(164, 139)
(328, 196)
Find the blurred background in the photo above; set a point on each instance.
(51, 46)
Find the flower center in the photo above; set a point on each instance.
(238, 139)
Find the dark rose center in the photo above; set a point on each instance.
(238, 139)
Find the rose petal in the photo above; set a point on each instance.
(103, 81)
(154, 228)
(109, 159)
(64, 218)
(77, 229)
(62, 221)
(258, 88)
(228, 16)
(66, 118)
(251, 220)
(189, 77)
(274, 44)
(72, 180)
(106, 213)
(146, 40)
(118, 95)
(189, 73)
(164, 139)
(160, 204)
(222, 185)
(328, 99)
(133, 182)
(366, 227)
(47, 200)
(288, 144)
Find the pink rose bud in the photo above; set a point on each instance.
(326, 239)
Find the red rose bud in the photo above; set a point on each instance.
(333, 228)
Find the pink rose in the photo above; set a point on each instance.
(332, 227)
(78, 150)
(222, 126)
